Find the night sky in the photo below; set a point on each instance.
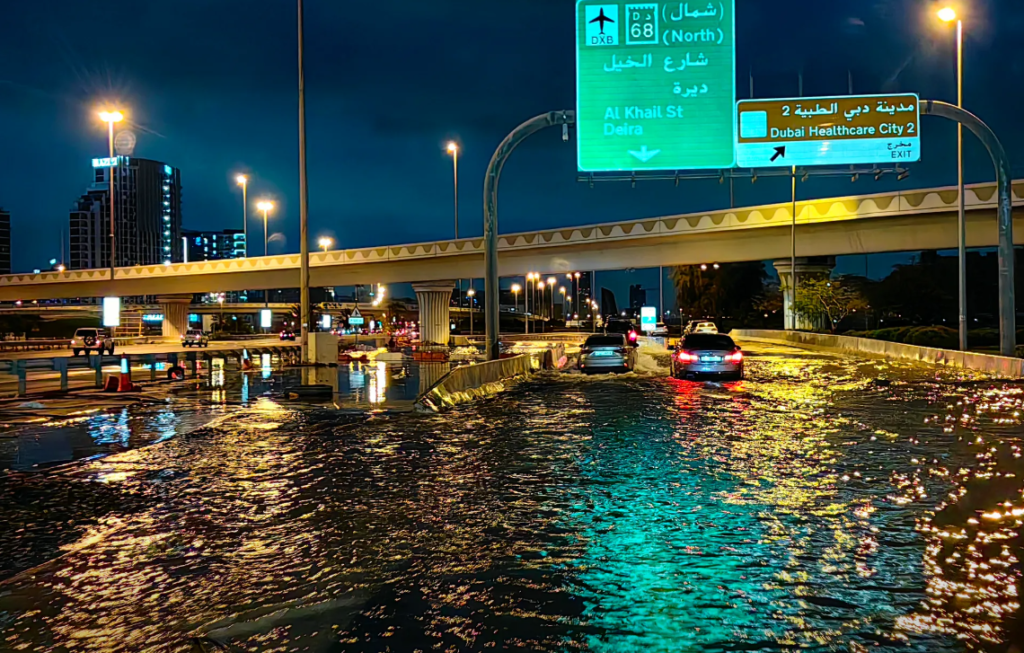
(210, 86)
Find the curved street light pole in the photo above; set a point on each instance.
(1004, 214)
(491, 178)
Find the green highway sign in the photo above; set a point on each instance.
(655, 85)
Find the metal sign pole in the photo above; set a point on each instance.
(491, 178)
(1004, 215)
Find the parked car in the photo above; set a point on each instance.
(91, 340)
(288, 334)
(623, 327)
(707, 354)
(660, 330)
(607, 353)
(195, 338)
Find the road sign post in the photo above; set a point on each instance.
(655, 85)
(828, 131)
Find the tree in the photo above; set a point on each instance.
(828, 301)
(726, 291)
(770, 300)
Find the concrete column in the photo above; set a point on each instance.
(806, 268)
(434, 298)
(175, 309)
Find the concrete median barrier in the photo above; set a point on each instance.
(470, 382)
(1001, 366)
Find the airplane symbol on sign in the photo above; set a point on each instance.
(602, 19)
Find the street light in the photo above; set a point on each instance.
(948, 15)
(265, 206)
(325, 243)
(110, 117)
(515, 291)
(453, 149)
(565, 311)
(471, 293)
(532, 276)
(243, 181)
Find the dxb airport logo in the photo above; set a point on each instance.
(602, 24)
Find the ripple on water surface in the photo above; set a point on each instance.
(810, 506)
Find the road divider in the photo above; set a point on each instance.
(470, 382)
(1001, 366)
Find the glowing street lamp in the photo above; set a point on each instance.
(515, 291)
(551, 284)
(110, 117)
(453, 149)
(243, 181)
(948, 15)
(265, 206)
(325, 243)
(471, 293)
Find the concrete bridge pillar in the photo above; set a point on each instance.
(435, 298)
(806, 268)
(175, 309)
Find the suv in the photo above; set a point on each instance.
(624, 327)
(699, 326)
(89, 340)
(195, 338)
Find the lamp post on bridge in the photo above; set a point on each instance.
(948, 15)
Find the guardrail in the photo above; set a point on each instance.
(58, 367)
(34, 344)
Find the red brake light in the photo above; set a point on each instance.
(632, 336)
(737, 357)
(686, 357)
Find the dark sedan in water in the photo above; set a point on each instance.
(707, 354)
(608, 353)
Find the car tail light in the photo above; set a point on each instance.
(632, 336)
(735, 358)
(687, 357)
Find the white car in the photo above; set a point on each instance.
(195, 338)
(91, 340)
(705, 327)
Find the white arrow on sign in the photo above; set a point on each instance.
(644, 154)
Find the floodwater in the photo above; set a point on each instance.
(823, 504)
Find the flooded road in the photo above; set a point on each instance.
(802, 508)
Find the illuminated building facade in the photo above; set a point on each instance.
(147, 215)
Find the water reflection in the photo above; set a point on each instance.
(822, 504)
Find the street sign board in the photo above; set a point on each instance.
(266, 318)
(648, 318)
(111, 311)
(356, 318)
(820, 131)
(655, 85)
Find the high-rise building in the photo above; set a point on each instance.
(147, 215)
(5, 241)
(637, 297)
(212, 245)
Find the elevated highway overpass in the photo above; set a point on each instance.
(885, 222)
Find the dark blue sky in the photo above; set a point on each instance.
(210, 87)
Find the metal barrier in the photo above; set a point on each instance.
(34, 345)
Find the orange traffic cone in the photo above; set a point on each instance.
(125, 381)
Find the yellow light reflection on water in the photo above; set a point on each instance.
(378, 382)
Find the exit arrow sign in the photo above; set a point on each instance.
(644, 154)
